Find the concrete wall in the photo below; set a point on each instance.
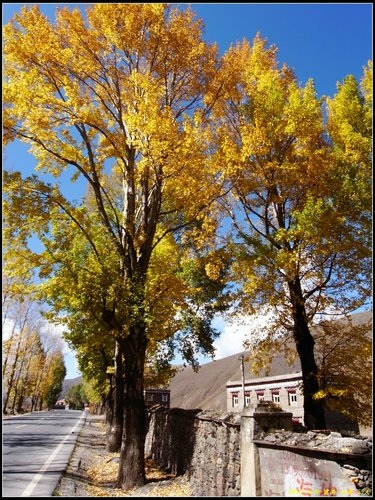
(275, 461)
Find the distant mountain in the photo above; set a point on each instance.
(206, 388)
(67, 384)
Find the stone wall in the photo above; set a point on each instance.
(171, 438)
(215, 466)
(212, 449)
(204, 445)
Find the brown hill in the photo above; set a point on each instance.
(67, 384)
(206, 388)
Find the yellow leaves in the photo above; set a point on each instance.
(350, 119)
(344, 358)
(255, 142)
(213, 270)
(252, 285)
(152, 128)
(185, 32)
(126, 25)
(34, 29)
(203, 232)
(316, 216)
(304, 114)
(263, 59)
(124, 76)
(367, 85)
(247, 69)
(275, 124)
(214, 266)
(25, 91)
(330, 392)
(166, 254)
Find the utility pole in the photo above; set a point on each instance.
(241, 358)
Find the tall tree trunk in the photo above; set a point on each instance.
(132, 466)
(100, 408)
(11, 382)
(314, 415)
(19, 403)
(115, 409)
(15, 399)
(6, 401)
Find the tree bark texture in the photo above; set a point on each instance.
(314, 415)
(115, 406)
(132, 468)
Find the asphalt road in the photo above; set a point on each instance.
(36, 451)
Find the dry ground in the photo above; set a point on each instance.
(92, 471)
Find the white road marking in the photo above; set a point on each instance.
(19, 426)
(30, 488)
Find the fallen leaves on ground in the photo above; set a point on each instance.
(103, 474)
(93, 471)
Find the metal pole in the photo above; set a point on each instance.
(241, 357)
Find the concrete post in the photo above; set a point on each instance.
(264, 417)
(250, 467)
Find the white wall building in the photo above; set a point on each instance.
(283, 390)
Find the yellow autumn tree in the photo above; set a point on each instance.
(344, 357)
(20, 330)
(114, 99)
(302, 248)
(31, 379)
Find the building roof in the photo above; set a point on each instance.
(285, 377)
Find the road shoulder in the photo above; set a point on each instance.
(92, 471)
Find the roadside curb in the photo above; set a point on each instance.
(74, 481)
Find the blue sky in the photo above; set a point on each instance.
(322, 41)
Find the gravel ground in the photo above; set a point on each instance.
(92, 471)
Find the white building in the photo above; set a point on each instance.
(284, 390)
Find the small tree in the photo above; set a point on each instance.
(55, 377)
(76, 397)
